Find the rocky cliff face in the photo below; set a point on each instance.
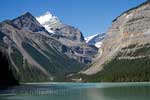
(70, 37)
(130, 28)
(34, 55)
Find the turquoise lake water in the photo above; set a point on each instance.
(78, 91)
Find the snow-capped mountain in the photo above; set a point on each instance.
(69, 36)
(96, 39)
(50, 22)
(34, 53)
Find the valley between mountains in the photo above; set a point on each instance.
(39, 49)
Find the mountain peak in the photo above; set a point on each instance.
(43, 19)
(27, 13)
(49, 14)
(49, 21)
(28, 22)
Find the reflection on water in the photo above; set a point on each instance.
(80, 91)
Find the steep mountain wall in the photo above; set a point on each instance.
(130, 28)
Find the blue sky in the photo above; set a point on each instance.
(90, 16)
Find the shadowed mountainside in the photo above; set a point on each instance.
(6, 75)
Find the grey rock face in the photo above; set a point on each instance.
(74, 39)
(69, 35)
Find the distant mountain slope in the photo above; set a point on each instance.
(95, 40)
(34, 55)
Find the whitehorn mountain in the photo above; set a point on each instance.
(69, 36)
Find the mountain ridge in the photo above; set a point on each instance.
(32, 51)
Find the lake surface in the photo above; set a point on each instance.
(78, 91)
